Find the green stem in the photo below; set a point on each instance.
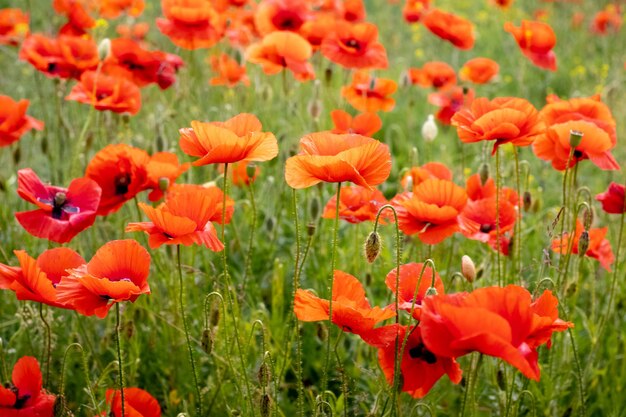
(86, 375)
(498, 235)
(469, 387)
(119, 355)
(246, 269)
(517, 250)
(48, 348)
(296, 286)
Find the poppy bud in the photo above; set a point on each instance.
(310, 229)
(409, 183)
(483, 171)
(405, 80)
(263, 375)
(44, 145)
(104, 49)
(314, 208)
(431, 291)
(321, 332)
(429, 129)
(251, 171)
(588, 218)
(207, 341)
(372, 247)
(215, 316)
(164, 184)
(583, 243)
(269, 224)
(17, 155)
(527, 200)
(328, 75)
(265, 405)
(3, 186)
(468, 269)
(315, 109)
(575, 137)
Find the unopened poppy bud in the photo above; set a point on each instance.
(310, 229)
(429, 129)
(263, 375)
(207, 341)
(315, 109)
(104, 49)
(265, 405)
(527, 200)
(587, 219)
(215, 316)
(17, 155)
(314, 208)
(60, 199)
(575, 137)
(251, 171)
(321, 332)
(164, 184)
(483, 171)
(269, 224)
(405, 79)
(58, 409)
(372, 247)
(583, 243)
(431, 291)
(409, 183)
(372, 83)
(468, 269)
(44, 145)
(328, 75)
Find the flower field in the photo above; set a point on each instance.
(312, 208)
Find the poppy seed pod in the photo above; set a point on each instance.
(468, 269)
(575, 137)
(310, 229)
(583, 243)
(483, 171)
(372, 247)
(104, 49)
(431, 291)
(527, 200)
(429, 129)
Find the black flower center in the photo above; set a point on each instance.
(420, 352)
(122, 182)
(486, 228)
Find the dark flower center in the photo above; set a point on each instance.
(51, 67)
(578, 154)
(420, 352)
(353, 43)
(486, 228)
(122, 182)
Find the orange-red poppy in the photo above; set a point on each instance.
(26, 396)
(163, 170)
(63, 57)
(365, 124)
(435, 74)
(355, 45)
(78, 13)
(238, 139)
(536, 40)
(353, 10)
(241, 173)
(191, 24)
(370, 94)
(213, 193)
(281, 15)
(121, 171)
(502, 120)
(241, 31)
(110, 9)
(477, 190)
(410, 296)
(484, 213)
(230, 73)
(598, 248)
(351, 309)
(424, 172)
(612, 199)
(413, 10)
(117, 272)
(356, 205)
(106, 92)
(479, 70)
(326, 157)
(503, 3)
(500, 322)
(450, 27)
(607, 20)
(450, 100)
(317, 29)
(283, 50)
(13, 26)
(137, 403)
(14, 122)
(419, 367)
(136, 32)
(36, 279)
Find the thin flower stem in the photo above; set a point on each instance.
(296, 286)
(246, 269)
(92, 396)
(48, 348)
(181, 301)
(517, 250)
(564, 213)
(498, 235)
(469, 387)
(119, 355)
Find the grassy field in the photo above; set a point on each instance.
(245, 337)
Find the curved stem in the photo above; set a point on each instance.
(119, 355)
(92, 396)
(48, 342)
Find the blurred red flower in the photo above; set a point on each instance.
(191, 24)
(410, 296)
(536, 40)
(163, 170)
(436, 74)
(354, 45)
(479, 70)
(365, 124)
(14, 121)
(356, 204)
(598, 246)
(367, 93)
(612, 199)
(106, 92)
(26, 396)
(63, 57)
(137, 403)
(450, 27)
(13, 26)
(282, 50)
(229, 72)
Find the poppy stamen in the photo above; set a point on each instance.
(122, 183)
(420, 352)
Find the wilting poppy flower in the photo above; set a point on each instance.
(117, 272)
(63, 57)
(105, 92)
(413, 10)
(137, 403)
(238, 139)
(326, 157)
(184, 219)
(370, 94)
(229, 71)
(110, 9)
(79, 19)
(13, 26)
(536, 40)
(450, 100)
(503, 120)
(356, 205)
(355, 45)
(435, 74)
(432, 211)
(14, 121)
(62, 212)
(136, 32)
(598, 248)
(607, 20)
(36, 279)
(281, 15)
(163, 169)
(479, 70)
(283, 50)
(26, 396)
(121, 172)
(213, 193)
(351, 310)
(426, 171)
(420, 368)
(191, 24)
(612, 199)
(500, 322)
(365, 124)
(409, 295)
(484, 213)
(450, 27)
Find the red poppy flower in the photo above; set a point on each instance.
(281, 15)
(503, 3)
(229, 71)
(239, 172)
(351, 310)
(105, 92)
(479, 70)
(117, 272)
(435, 74)
(326, 157)
(450, 100)
(62, 212)
(111, 9)
(184, 219)
(13, 26)
(238, 139)
(163, 170)
(355, 45)
(483, 212)
(121, 172)
(365, 124)
(63, 57)
(36, 280)
(426, 171)
(191, 24)
(420, 368)
(500, 322)
(612, 199)
(14, 121)
(213, 193)
(283, 50)
(413, 10)
(79, 19)
(450, 27)
(536, 40)
(136, 32)
(356, 205)
(598, 248)
(370, 94)
(26, 396)
(607, 20)
(241, 31)
(503, 120)
(409, 278)
(137, 403)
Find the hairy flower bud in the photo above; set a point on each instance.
(429, 129)
(583, 243)
(527, 200)
(468, 269)
(104, 49)
(372, 247)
